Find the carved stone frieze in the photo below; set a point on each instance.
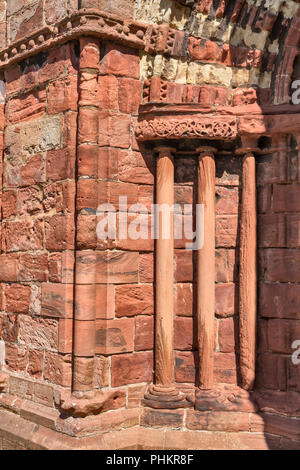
(192, 127)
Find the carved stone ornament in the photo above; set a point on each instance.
(198, 127)
(92, 403)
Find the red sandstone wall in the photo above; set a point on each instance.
(38, 230)
(38, 216)
(38, 234)
(125, 269)
(227, 207)
(279, 255)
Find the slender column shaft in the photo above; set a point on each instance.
(164, 353)
(2, 127)
(87, 140)
(247, 279)
(206, 271)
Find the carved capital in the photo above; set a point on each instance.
(198, 127)
(248, 145)
(207, 150)
(164, 150)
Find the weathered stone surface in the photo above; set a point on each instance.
(155, 418)
(70, 139)
(144, 333)
(28, 19)
(134, 300)
(17, 298)
(218, 421)
(38, 332)
(33, 137)
(114, 336)
(58, 369)
(225, 398)
(131, 368)
(93, 404)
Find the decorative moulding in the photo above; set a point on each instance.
(148, 37)
(158, 122)
(192, 127)
(81, 23)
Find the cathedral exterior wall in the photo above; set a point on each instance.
(90, 91)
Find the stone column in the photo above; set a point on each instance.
(164, 278)
(247, 272)
(2, 127)
(164, 394)
(206, 270)
(85, 286)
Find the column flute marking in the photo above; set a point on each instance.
(248, 275)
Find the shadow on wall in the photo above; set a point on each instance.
(278, 374)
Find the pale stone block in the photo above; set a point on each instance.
(274, 47)
(257, 40)
(2, 353)
(158, 65)
(161, 11)
(146, 66)
(35, 136)
(210, 74)
(265, 80)
(289, 9)
(240, 77)
(169, 70)
(181, 71)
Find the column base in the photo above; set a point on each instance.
(225, 397)
(165, 398)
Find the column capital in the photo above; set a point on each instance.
(248, 145)
(167, 149)
(297, 138)
(206, 149)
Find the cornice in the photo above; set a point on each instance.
(82, 23)
(152, 38)
(196, 122)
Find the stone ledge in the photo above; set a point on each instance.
(157, 122)
(36, 437)
(16, 433)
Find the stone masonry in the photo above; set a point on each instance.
(125, 343)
